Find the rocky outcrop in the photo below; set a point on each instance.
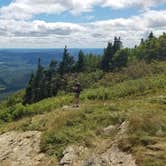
(108, 155)
(20, 149)
(72, 156)
(23, 149)
(112, 157)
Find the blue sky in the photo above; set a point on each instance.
(90, 23)
(96, 14)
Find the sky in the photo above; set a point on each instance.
(78, 23)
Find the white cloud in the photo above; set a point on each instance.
(144, 4)
(131, 29)
(21, 33)
(149, 19)
(26, 9)
(38, 28)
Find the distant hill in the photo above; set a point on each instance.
(16, 65)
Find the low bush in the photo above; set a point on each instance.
(126, 88)
(18, 111)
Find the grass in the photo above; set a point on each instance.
(141, 101)
(62, 127)
(130, 87)
(19, 111)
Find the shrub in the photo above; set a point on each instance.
(126, 88)
(18, 111)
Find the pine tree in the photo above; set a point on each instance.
(53, 66)
(52, 78)
(66, 65)
(142, 41)
(106, 63)
(151, 36)
(80, 65)
(117, 44)
(120, 59)
(28, 98)
(107, 57)
(38, 82)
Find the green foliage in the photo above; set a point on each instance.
(120, 59)
(67, 63)
(79, 127)
(80, 64)
(152, 49)
(47, 82)
(92, 63)
(86, 79)
(107, 57)
(113, 99)
(13, 112)
(15, 98)
(126, 88)
(43, 84)
(109, 52)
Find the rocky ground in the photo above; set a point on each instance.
(106, 152)
(23, 149)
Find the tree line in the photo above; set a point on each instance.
(47, 81)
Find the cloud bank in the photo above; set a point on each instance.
(18, 29)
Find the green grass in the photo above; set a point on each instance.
(19, 111)
(141, 101)
(130, 87)
(64, 127)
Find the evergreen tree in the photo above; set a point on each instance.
(151, 36)
(107, 57)
(120, 59)
(152, 49)
(117, 44)
(53, 66)
(142, 41)
(66, 65)
(38, 82)
(80, 65)
(28, 98)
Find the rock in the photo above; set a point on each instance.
(109, 130)
(159, 132)
(66, 107)
(112, 157)
(18, 148)
(108, 155)
(71, 155)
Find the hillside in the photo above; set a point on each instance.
(121, 121)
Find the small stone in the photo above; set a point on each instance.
(109, 130)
